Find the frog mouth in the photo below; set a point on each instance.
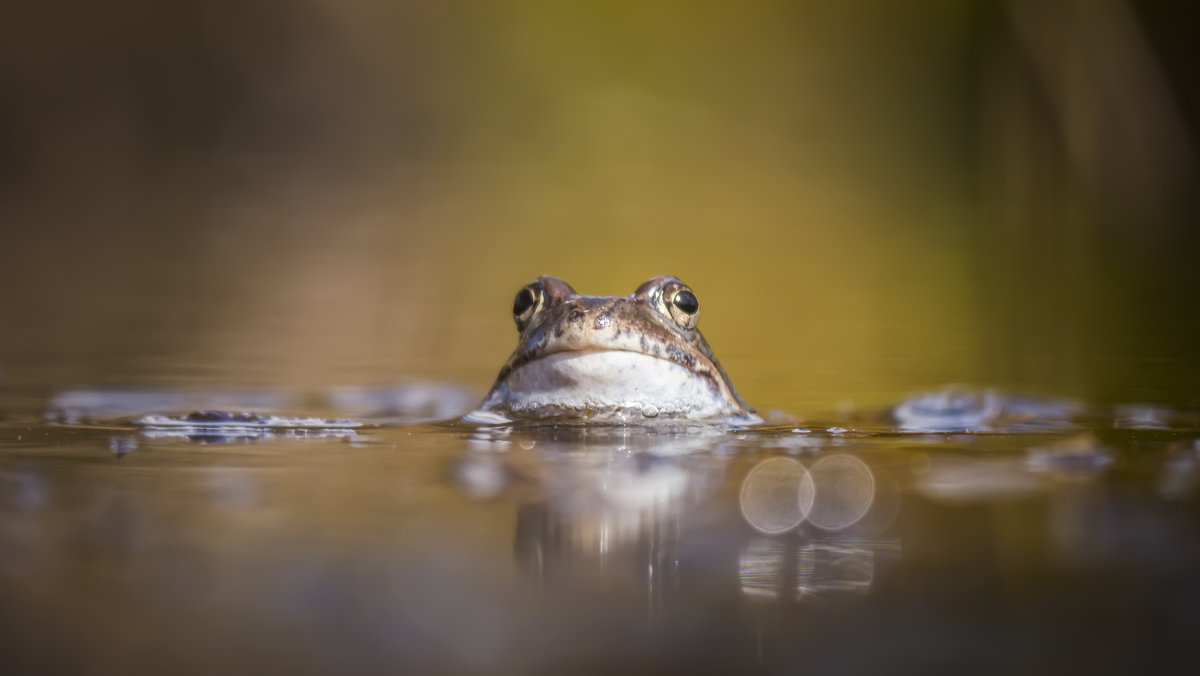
(675, 356)
(615, 360)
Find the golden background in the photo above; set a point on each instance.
(869, 199)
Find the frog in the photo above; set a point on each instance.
(618, 359)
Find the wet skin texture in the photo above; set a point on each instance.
(606, 356)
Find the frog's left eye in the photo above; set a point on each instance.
(684, 308)
(526, 303)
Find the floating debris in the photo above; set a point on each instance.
(122, 445)
(84, 406)
(226, 419)
(953, 409)
(225, 426)
(1141, 417)
(962, 409)
(1081, 456)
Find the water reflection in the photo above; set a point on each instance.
(779, 494)
(122, 445)
(760, 567)
(834, 565)
(962, 479)
(24, 490)
(845, 490)
(771, 569)
(838, 553)
(1180, 471)
(232, 488)
(1078, 457)
(774, 569)
(629, 510)
(615, 522)
(601, 509)
(542, 544)
(1039, 468)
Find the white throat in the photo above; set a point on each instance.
(606, 384)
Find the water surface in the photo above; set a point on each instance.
(838, 546)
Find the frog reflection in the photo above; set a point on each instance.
(600, 505)
(643, 511)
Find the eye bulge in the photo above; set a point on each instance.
(683, 306)
(526, 304)
(686, 301)
(523, 301)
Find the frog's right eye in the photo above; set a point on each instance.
(526, 304)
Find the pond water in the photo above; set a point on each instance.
(963, 530)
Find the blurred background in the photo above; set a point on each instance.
(868, 198)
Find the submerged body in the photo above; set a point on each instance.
(611, 358)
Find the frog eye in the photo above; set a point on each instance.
(526, 304)
(684, 308)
